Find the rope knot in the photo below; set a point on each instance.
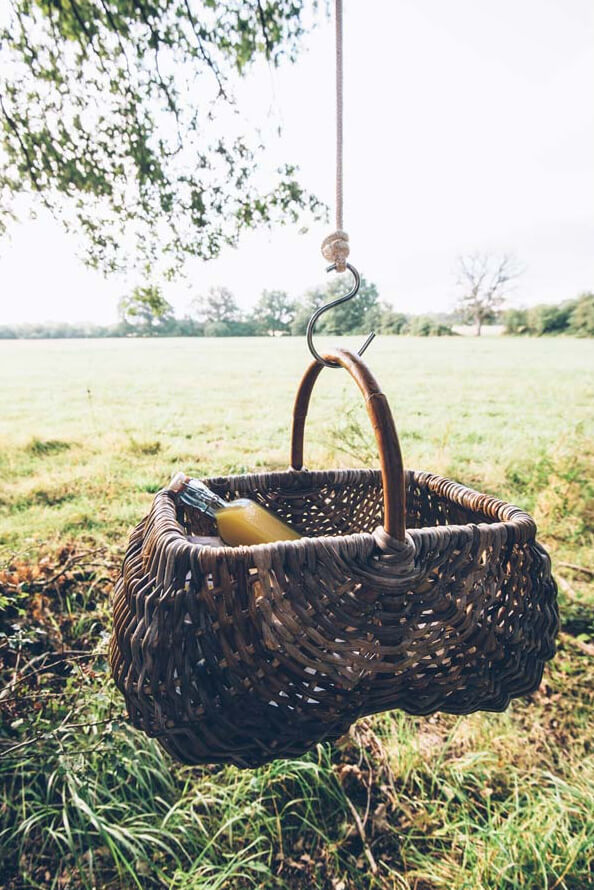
(335, 249)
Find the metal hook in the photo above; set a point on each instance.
(311, 324)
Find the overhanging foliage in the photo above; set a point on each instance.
(118, 116)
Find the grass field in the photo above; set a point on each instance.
(89, 430)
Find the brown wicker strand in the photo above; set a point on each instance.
(391, 464)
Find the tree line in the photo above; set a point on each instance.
(570, 317)
(146, 313)
(483, 283)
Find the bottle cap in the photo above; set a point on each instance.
(196, 494)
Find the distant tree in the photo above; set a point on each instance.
(274, 312)
(354, 316)
(581, 320)
(145, 307)
(483, 280)
(304, 309)
(217, 307)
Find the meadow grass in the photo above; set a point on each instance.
(89, 430)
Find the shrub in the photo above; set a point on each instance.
(581, 321)
(516, 321)
(426, 326)
(549, 319)
(391, 322)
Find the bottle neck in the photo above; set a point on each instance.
(196, 494)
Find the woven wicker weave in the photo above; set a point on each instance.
(246, 654)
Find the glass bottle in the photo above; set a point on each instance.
(241, 521)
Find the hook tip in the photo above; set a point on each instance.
(370, 338)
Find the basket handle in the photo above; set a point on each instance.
(383, 425)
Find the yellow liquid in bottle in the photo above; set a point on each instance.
(245, 522)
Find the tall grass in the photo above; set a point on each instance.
(440, 806)
(486, 802)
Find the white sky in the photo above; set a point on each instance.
(468, 126)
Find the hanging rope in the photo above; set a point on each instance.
(335, 247)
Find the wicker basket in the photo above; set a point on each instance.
(247, 654)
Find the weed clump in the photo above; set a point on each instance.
(44, 447)
(146, 448)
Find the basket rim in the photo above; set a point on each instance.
(501, 518)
